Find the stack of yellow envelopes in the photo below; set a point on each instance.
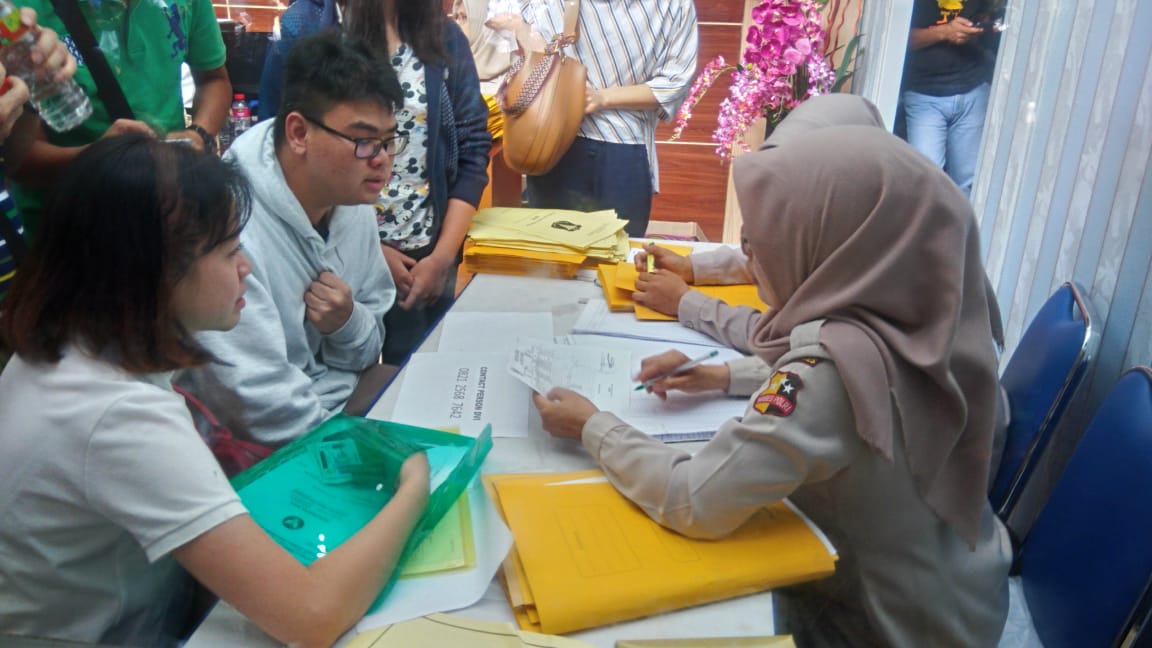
(495, 117)
(585, 556)
(543, 242)
(618, 281)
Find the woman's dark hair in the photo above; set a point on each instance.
(330, 68)
(129, 217)
(421, 27)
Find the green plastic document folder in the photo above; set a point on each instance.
(316, 492)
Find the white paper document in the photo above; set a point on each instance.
(596, 319)
(442, 592)
(604, 376)
(463, 390)
(601, 375)
(499, 331)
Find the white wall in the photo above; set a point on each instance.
(1064, 189)
(884, 39)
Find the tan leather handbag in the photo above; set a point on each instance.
(542, 99)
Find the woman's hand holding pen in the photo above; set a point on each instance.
(696, 379)
(564, 412)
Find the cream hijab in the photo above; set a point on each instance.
(852, 225)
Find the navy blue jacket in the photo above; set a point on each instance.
(458, 126)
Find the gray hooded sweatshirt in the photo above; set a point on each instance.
(290, 376)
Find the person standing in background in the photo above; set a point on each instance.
(424, 211)
(947, 77)
(53, 59)
(144, 45)
(640, 56)
(301, 18)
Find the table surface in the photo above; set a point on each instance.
(744, 616)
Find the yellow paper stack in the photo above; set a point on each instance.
(543, 242)
(585, 556)
(495, 117)
(445, 631)
(618, 280)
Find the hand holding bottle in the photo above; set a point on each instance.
(13, 95)
(37, 56)
(49, 55)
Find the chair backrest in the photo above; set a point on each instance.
(1088, 558)
(1042, 376)
(1138, 631)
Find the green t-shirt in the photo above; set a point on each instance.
(145, 41)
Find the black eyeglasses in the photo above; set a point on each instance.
(367, 148)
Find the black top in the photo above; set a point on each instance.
(945, 69)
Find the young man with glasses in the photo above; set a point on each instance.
(319, 286)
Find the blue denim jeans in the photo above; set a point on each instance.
(948, 130)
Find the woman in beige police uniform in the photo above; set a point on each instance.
(873, 397)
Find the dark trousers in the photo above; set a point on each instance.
(404, 330)
(595, 175)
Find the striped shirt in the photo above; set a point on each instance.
(623, 43)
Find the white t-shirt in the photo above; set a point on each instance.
(102, 476)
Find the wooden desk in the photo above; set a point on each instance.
(745, 616)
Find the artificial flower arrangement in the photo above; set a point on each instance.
(783, 64)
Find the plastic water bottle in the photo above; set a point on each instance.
(239, 118)
(62, 105)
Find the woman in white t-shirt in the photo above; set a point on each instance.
(108, 497)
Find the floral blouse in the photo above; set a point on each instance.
(403, 211)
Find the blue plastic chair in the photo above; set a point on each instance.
(1041, 378)
(1087, 561)
(1139, 632)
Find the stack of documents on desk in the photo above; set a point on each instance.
(619, 282)
(585, 556)
(543, 242)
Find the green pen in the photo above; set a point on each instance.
(681, 369)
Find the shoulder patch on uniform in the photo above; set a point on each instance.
(810, 361)
(779, 397)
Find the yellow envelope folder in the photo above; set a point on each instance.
(619, 300)
(619, 282)
(446, 631)
(589, 557)
(733, 295)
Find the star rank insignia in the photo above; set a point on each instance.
(779, 397)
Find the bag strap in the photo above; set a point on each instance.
(571, 32)
(543, 67)
(111, 95)
(200, 407)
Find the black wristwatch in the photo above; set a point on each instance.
(209, 141)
